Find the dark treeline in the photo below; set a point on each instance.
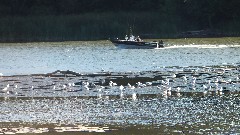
(58, 20)
(66, 7)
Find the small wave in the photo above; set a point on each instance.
(198, 46)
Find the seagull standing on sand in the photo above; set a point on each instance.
(165, 92)
(85, 85)
(5, 89)
(140, 85)
(220, 91)
(192, 85)
(169, 92)
(130, 86)
(111, 84)
(134, 96)
(121, 91)
(205, 90)
(121, 87)
(15, 89)
(165, 88)
(167, 82)
(178, 92)
(54, 87)
(64, 87)
(185, 79)
(100, 91)
(148, 83)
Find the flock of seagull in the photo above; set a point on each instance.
(165, 88)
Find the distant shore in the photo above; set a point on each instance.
(104, 25)
(169, 41)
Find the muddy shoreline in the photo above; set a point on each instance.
(188, 81)
(175, 100)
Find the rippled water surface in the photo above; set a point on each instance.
(94, 56)
(95, 88)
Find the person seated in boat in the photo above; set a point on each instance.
(161, 42)
(138, 39)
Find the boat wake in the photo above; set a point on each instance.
(198, 46)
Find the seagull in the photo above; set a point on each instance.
(169, 93)
(204, 87)
(178, 92)
(64, 87)
(130, 86)
(165, 93)
(86, 87)
(121, 87)
(220, 91)
(85, 83)
(141, 85)
(167, 82)
(174, 76)
(229, 81)
(121, 95)
(5, 88)
(194, 80)
(15, 89)
(185, 78)
(148, 83)
(69, 84)
(111, 83)
(134, 96)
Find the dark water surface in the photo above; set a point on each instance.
(95, 88)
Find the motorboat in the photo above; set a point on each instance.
(136, 43)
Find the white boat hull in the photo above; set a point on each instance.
(124, 44)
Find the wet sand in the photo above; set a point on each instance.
(189, 81)
(73, 96)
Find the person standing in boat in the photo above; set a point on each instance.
(126, 37)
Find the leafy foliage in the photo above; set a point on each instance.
(98, 19)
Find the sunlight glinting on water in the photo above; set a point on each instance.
(83, 57)
(177, 89)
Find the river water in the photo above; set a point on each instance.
(93, 57)
(44, 89)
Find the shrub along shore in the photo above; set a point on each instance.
(89, 26)
(93, 26)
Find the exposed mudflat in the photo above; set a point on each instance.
(188, 81)
(66, 101)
